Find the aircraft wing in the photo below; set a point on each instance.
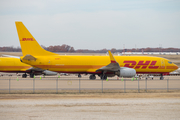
(45, 72)
(113, 66)
(34, 69)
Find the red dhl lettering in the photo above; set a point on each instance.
(152, 65)
(27, 39)
(144, 65)
(141, 64)
(130, 64)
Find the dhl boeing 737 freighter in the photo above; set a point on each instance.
(14, 65)
(103, 66)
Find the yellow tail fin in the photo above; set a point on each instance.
(28, 43)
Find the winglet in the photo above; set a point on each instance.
(111, 57)
(113, 66)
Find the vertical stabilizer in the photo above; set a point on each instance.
(29, 45)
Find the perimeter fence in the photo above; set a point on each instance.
(69, 84)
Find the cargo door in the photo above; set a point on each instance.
(49, 64)
(162, 64)
(45, 63)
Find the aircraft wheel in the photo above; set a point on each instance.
(79, 75)
(32, 75)
(24, 76)
(161, 78)
(92, 77)
(103, 77)
(152, 78)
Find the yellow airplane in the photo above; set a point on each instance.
(103, 66)
(14, 65)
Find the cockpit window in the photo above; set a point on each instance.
(169, 62)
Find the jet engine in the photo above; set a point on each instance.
(47, 72)
(127, 72)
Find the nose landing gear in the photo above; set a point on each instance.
(161, 78)
(79, 75)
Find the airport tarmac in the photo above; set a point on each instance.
(137, 106)
(73, 84)
(89, 105)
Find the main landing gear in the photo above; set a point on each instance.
(24, 75)
(161, 78)
(31, 75)
(92, 77)
(103, 77)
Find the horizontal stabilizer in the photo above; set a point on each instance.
(10, 56)
(29, 57)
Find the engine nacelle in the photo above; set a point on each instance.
(47, 72)
(127, 72)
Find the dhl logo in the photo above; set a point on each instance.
(27, 39)
(141, 64)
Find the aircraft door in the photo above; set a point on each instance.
(162, 64)
(49, 64)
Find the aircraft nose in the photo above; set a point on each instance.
(175, 67)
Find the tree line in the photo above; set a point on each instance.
(67, 48)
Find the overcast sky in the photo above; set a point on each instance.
(93, 24)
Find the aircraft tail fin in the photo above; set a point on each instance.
(29, 45)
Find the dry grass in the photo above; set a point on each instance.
(171, 94)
